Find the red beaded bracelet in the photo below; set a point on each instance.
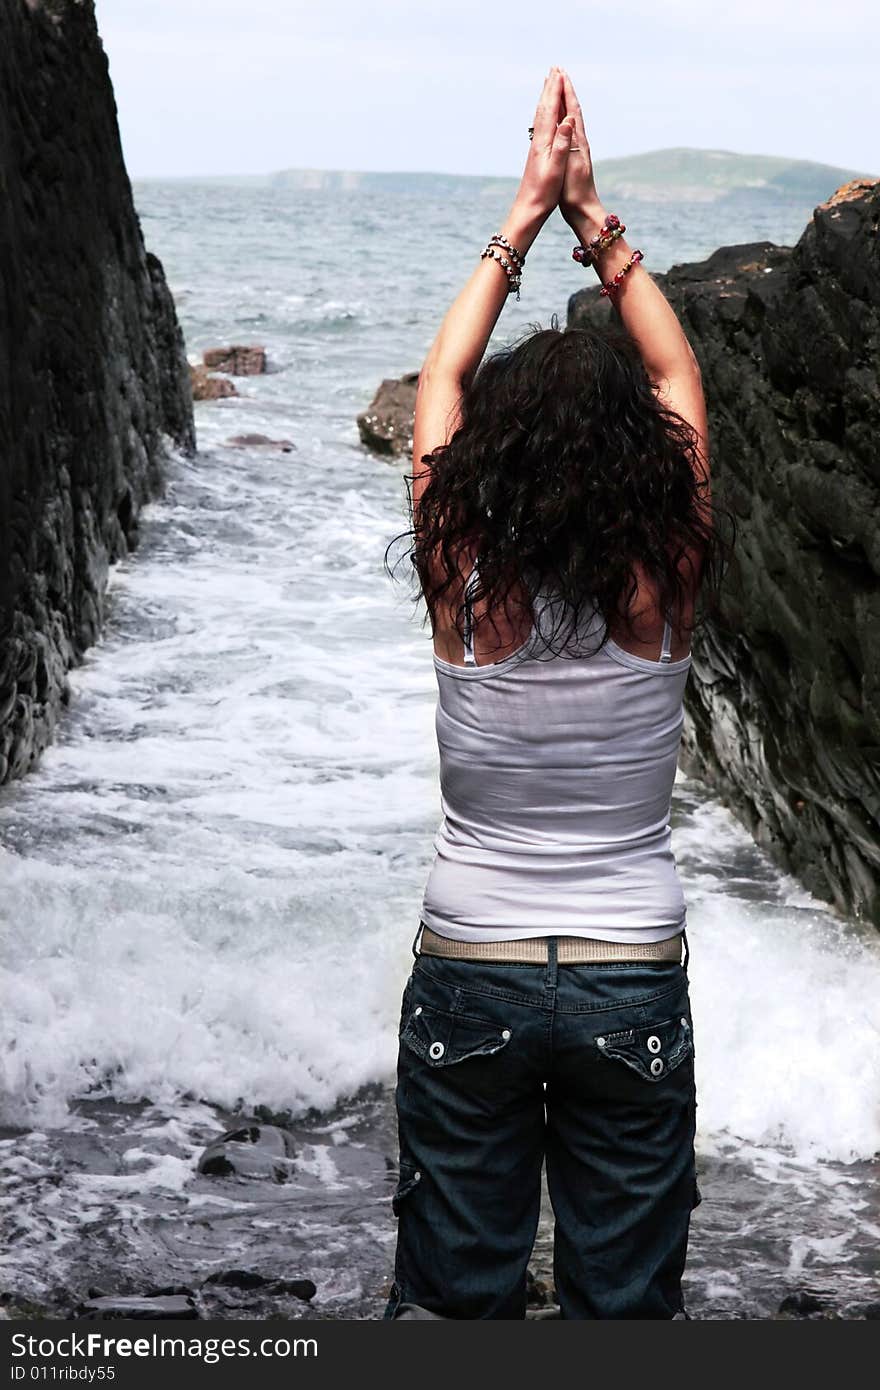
(611, 229)
(614, 282)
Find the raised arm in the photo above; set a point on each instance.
(644, 310)
(464, 333)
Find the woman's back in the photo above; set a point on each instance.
(556, 776)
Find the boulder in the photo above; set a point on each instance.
(206, 386)
(250, 1151)
(783, 705)
(239, 360)
(386, 426)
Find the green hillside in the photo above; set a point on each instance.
(676, 175)
(708, 175)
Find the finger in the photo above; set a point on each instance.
(547, 114)
(562, 141)
(573, 108)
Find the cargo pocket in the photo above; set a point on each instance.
(442, 1038)
(653, 1051)
(408, 1180)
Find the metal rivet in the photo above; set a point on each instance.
(505, 1033)
(419, 1009)
(416, 1175)
(600, 1042)
(436, 1049)
(654, 1043)
(656, 1066)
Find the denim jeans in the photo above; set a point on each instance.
(504, 1066)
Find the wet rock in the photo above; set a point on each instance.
(804, 1304)
(208, 387)
(251, 1151)
(250, 1279)
(239, 1279)
(386, 426)
(783, 705)
(239, 360)
(174, 1306)
(261, 441)
(538, 1292)
(299, 1288)
(93, 374)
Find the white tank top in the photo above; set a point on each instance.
(556, 776)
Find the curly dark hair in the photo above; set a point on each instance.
(567, 473)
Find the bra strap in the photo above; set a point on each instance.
(469, 655)
(666, 649)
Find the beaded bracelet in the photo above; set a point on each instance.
(609, 288)
(611, 229)
(499, 240)
(511, 270)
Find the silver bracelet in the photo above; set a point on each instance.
(513, 277)
(499, 240)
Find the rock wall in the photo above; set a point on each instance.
(94, 382)
(783, 704)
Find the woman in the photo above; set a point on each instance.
(561, 529)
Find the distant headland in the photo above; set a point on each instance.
(679, 175)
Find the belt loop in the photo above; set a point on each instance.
(687, 951)
(552, 962)
(417, 939)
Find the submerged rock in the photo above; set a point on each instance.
(251, 1151)
(250, 1279)
(239, 360)
(176, 1306)
(261, 441)
(386, 426)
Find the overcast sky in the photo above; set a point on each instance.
(249, 86)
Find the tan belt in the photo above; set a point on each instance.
(572, 950)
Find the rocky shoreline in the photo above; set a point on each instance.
(783, 705)
(270, 1233)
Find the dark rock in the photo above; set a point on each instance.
(783, 705)
(538, 1292)
(386, 426)
(299, 1288)
(261, 441)
(139, 1306)
(803, 1304)
(208, 387)
(250, 1279)
(251, 1151)
(93, 374)
(239, 1279)
(239, 360)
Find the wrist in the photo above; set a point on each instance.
(585, 219)
(523, 223)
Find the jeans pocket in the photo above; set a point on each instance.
(442, 1038)
(653, 1050)
(408, 1180)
